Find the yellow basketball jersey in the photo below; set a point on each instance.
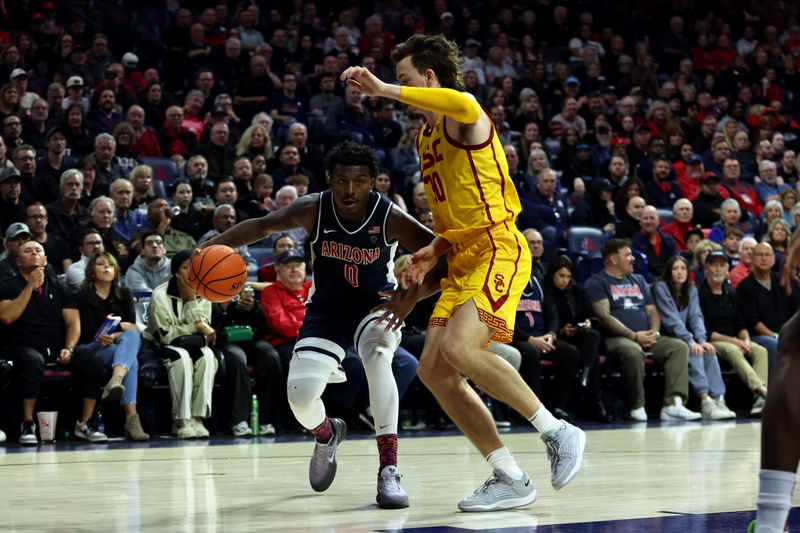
(468, 187)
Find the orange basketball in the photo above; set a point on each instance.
(217, 273)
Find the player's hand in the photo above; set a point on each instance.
(422, 262)
(396, 308)
(364, 80)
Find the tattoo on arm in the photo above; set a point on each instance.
(614, 327)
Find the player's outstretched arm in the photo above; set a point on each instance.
(300, 213)
(460, 106)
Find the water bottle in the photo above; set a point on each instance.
(101, 424)
(254, 419)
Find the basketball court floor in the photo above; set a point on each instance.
(659, 477)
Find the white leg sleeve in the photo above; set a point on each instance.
(180, 373)
(306, 382)
(376, 349)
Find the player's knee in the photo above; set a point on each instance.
(302, 392)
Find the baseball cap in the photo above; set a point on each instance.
(17, 72)
(289, 255)
(602, 184)
(8, 173)
(129, 59)
(52, 131)
(572, 80)
(472, 42)
(582, 146)
(445, 15)
(694, 159)
(716, 254)
(74, 81)
(616, 141)
(710, 176)
(16, 229)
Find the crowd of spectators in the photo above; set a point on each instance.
(132, 133)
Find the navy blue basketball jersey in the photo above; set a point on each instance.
(351, 266)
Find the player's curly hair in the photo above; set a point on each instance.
(433, 52)
(350, 154)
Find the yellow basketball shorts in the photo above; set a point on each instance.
(492, 269)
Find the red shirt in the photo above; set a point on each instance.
(147, 145)
(284, 310)
(677, 230)
(737, 274)
(689, 187)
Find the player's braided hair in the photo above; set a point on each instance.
(433, 52)
(348, 154)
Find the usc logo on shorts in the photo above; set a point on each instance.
(499, 282)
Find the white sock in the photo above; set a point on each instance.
(501, 459)
(544, 421)
(774, 500)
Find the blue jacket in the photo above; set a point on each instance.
(687, 323)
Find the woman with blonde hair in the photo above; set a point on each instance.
(142, 179)
(658, 116)
(255, 141)
(779, 235)
(102, 295)
(537, 161)
(699, 256)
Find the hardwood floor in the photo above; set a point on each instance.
(639, 478)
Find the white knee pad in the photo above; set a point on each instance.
(306, 382)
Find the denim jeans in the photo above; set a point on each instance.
(771, 344)
(705, 375)
(124, 352)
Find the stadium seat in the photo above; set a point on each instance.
(665, 216)
(164, 169)
(262, 254)
(584, 246)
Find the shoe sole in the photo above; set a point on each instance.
(502, 505)
(29, 443)
(113, 394)
(578, 463)
(670, 418)
(391, 504)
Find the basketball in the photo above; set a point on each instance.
(217, 273)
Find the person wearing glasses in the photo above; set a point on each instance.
(91, 243)
(765, 303)
(152, 267)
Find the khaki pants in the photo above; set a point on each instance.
(754, 375)
(672, 354)
(191, 383)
